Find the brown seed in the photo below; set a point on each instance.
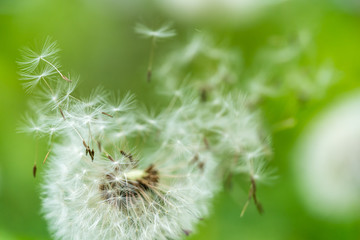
(106, 114)
(99, 145)
(203, 95)
(65, 78)
(187, 232)
(128, 156)
(91, 153)
(34, 170)
(195, 158)
(62, 114)
(109, 157)
(201, 165)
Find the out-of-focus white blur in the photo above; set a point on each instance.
(327, 164)
(217, 10)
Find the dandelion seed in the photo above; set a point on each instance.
(164, 31)
(252, 195)
(55, 68)
(31, 59)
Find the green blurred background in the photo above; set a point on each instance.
(99, 43)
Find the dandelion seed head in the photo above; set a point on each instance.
(119, 199)
(327, 161)
(117, 171)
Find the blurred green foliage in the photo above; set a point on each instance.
(99, 42)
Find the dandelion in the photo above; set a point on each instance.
(122, 196)
(164, 31)
(327, 161)
(115, 171)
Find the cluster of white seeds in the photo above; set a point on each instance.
(115, 172)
